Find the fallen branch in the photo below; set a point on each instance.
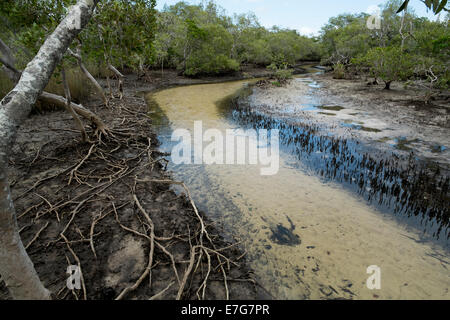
(82, 111)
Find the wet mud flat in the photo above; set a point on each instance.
(400, 116)
(394, 178)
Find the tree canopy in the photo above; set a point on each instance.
(405, 47)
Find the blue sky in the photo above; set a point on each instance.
(306, 16)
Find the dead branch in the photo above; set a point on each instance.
(120, 78)
(79, 109)
(69, 108)
(88, 75)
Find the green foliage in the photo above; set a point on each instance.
(282, 75)
(388, 53)
(211, 50)
(339, 71)
(432, 40)
(435, 5)
(201, 39)
(344, 37)
(122, 33)
(194, 39)
(25, 24)
(388, 64)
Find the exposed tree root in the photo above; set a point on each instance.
(79, 109)
(69, 108)
(107, 191)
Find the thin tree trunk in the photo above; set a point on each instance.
(120, 77)
(89, 76)
(8, 61)
(108, 81)
(69, 108)
(16, 267)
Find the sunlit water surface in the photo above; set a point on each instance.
(305, 238)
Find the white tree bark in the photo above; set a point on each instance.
(16, 267)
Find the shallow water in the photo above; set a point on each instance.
(307, 237)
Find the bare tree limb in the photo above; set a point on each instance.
(79, 109)
(120, 77)
(69, 108)
(97, 86)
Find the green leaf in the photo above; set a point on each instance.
(441, 7)
(404, 6)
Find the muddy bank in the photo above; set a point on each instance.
(365, 139)
(399, 116)
(396, 118)
(109, 207)
(158, 80)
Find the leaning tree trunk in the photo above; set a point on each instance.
(16, 267)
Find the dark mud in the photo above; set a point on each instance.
(100, 196)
